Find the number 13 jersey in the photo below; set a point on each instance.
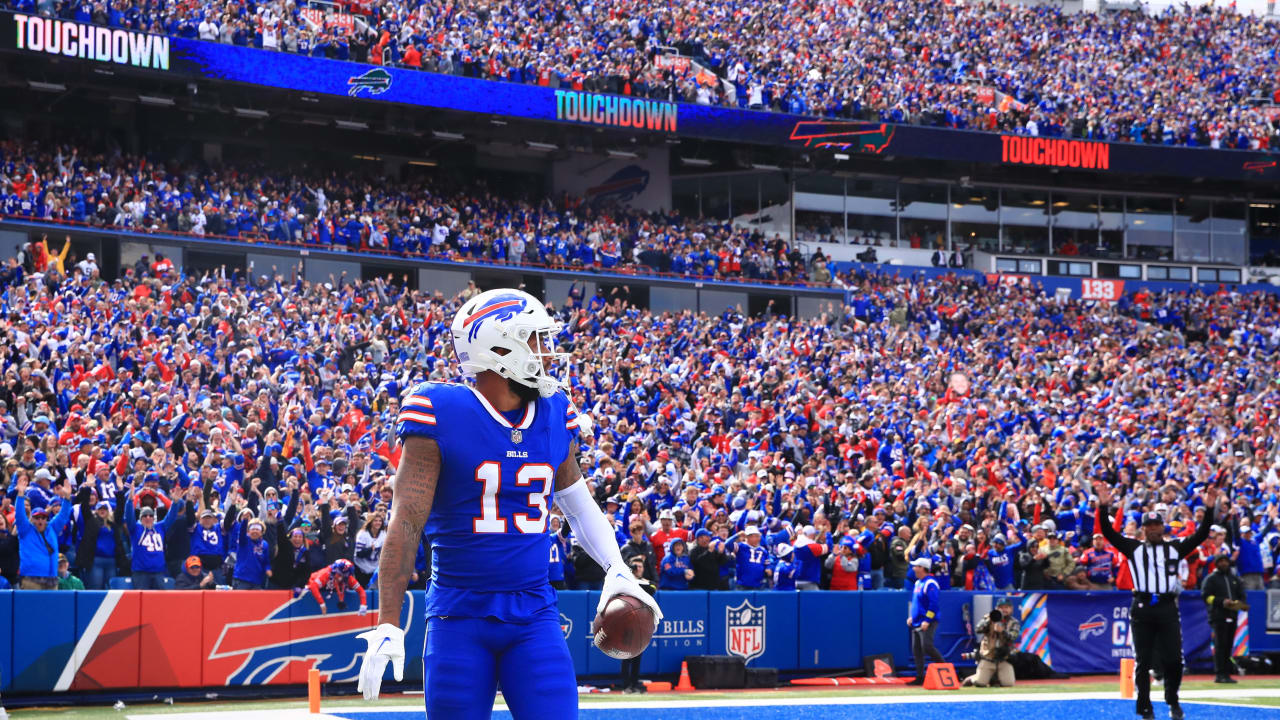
(488, 522)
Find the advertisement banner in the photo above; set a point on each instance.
(328, 20)
(679, 63)
(1090, 632)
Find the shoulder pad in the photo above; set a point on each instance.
(422, 402)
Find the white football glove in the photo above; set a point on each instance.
(587, 426)
(386, 642)
(618, 580)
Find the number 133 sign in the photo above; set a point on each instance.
(1109, 290)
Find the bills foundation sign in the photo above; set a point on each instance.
(744, 630)
(89, 42)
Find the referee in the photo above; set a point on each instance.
(1157, 627)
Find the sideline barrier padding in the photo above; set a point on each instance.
(87, 640)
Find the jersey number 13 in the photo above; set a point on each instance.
(490, 521)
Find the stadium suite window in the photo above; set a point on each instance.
(1168, 272)
(1229, 228)
(1149, 228)
(1018, 265)
(686, 196)
(1070, 269)
(1217, 275)
(1076, 226)
(870, 209)
(1024, 217)
(923, 210)
(1120, 271)
(975, 218)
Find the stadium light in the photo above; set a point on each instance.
(695, 162)
(622, 154)
(251, 113)
(47, 87)
(156, 100)
(763, 166)
(423, 163)
(541, 146)
(451, 136)
(841, 156)
(351, 124)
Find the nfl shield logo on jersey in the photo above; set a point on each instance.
(516, 436)
(744, 632)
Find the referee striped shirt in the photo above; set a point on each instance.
(1154, 566)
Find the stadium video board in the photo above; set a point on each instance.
(136, 51)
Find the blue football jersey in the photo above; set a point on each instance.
(488, 522)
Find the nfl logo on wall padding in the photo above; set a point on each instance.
(744, 630)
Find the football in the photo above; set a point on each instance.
(623, 629)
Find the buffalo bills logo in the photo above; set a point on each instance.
(566, 625)
(502, 307)
(866, 137)
(293, 637)
(1096, 625)
(623, 186)
(374, 82)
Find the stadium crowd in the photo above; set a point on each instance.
(366, 213)
(1199, 76)
(222, 430)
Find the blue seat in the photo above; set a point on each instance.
(120, 583)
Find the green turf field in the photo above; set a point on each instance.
(798, 696)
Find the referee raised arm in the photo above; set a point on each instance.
(1157, 627)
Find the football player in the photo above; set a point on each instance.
(481, 465)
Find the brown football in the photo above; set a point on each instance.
(623, 630)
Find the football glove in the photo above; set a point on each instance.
(386, 643)
(618, 580)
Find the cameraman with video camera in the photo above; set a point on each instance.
(998, 633)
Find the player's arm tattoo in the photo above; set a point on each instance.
(568, 473)
(415, 490)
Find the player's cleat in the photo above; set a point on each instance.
(1175, 711)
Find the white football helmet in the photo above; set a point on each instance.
(509, 320)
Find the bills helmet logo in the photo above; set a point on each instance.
(499, 308)
(566, 625)
(744, 630)
(1096, 625)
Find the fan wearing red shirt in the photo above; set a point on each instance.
(667, 518)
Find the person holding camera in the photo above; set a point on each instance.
(998, 633)
(1223, 592)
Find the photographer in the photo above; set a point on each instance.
(1224, 594)
(999, 633)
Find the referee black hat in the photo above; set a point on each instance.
(1152, 518)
